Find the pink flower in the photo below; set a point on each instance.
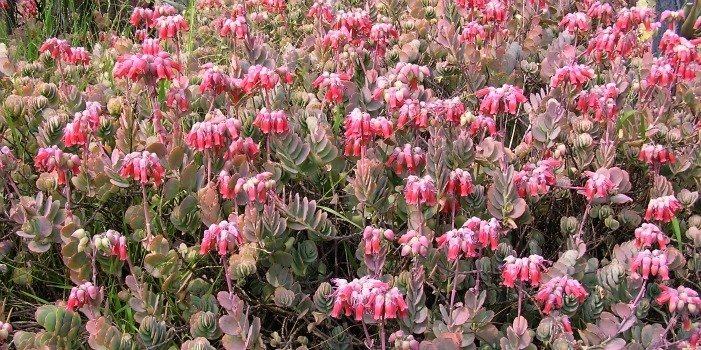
(505, 99)
(355, 21)
(601, 12)
(473, 33)
(382, 127)
(647, 234)
(112, 243)
(599, 101)
(58, 48)
(599, 185)
(550, 295)
(672, 17)
(420, 190)
(78, 56)
(236, 28)
(214, 79)
(450, 109)
(662, 208)
(652, 264)
(461, 242)
(260, 77)
(223, 237)
(273, 122)
(572, 75)
(524, 270)
(382, 34)
(142, 15)
(150, 68)
(209, 4)
(483, 122)
(535, 180)
(414, 243)
(143, 167)
(495, 11)
(367, 296)
(574, 22)
(321, 9)
(630, 18)
(414, 113)
(611, 43)
(656, 154)
(336, 39)
(242, 147)
(151, 46)
(410, 157)
(178, 95)
(334, 83)
(81, 295)
(214, 134)
(257, 187)
(53, 160)
(681, 301)
(373, 238)
(275, 6)
(661, 74)
(163, 10)
(170, 26)
(84, 123)
(471, 4)
(487, 231)
(410, 73)
(459, 183)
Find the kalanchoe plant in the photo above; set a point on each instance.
(454, 174)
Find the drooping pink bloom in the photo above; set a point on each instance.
(414, 243)
(242, 146)
(234, 27)
(150, 68)
(84, 294)
(451, 109)
(170, 26)
(611, 43)
(473, 33)
(382, 34)
(8, 160)
(178, 94)
(505, 99)
(215, 133)
(335, 85)
(260, 77)
(459, 183)
(355, 21)
(272, 122)
(576, 22)
(461, 242)
(143, 167)
(672, 17)
(602, 12)
(420, 190)
(487, 231)
(599, 185)
(495, 11)
(257, 187)
(57, 48)
(599, 101)
(407, 157)
(536, 179)
(483, 122)
(367, 296)
(524, 270)
(471, 4)
(142, 15)
(381, 127)
(151, 46)
(214, 79)
(630, 18)
(275, 6)
(661, 74)
(680, 301)
(575, 75)
(336, 39)
(373, 238)
(656, 154)
(164, 10)
(650, 264)
(223, 237)
(27, 9)
(78, 56)
(112, 243)
(551, 294)
(647, 234)
(662, 208)
(209, 4)
(413, 113)
(84, 123)
(410, 74)
(53, 160)
(321, 9)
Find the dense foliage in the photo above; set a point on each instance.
(397, 174)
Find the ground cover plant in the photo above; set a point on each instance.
(397, 174)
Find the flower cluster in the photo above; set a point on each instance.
(367, 296)
(272, 122)
(373, 237)
(522, 270)
(420, 190)
(656, 154)
(414, 243)
(536, 179)
(214, 134)
(84, 294)
(551, 294)
(505, 99)
(648, 234)
(650, 264)
(143, 167)
(407, 157)
(683, 301)
(111, 243)
(223, 237)
(662, 208)
(53, 160)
